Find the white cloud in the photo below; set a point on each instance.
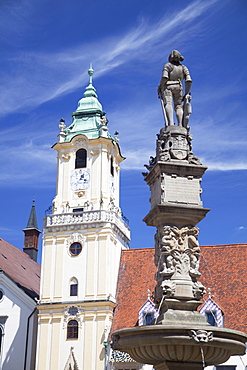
(26, 156)
(27, 164)
(14, 18)
(5, 229)
(34, 78)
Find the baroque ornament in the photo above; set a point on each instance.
(175, 143)
(65, 156)
(72, 313)
(168, 288)
(202, 336)
(80, 143)
(177, 255)
(198, 290)
(177, 251)
(75, 237)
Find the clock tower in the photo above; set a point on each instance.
(82, 242)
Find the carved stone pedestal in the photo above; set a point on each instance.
(176, 208)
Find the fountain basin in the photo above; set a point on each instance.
(157, 344)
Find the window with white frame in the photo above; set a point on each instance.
(73, 288)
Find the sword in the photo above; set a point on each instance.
(162, 107)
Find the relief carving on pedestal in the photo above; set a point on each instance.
(175, 144)
(178, 251)
(177, 254)
(198, 290)
(168, 288)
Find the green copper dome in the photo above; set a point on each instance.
(89, 118)
(89, 103)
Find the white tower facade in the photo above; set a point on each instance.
(82, 243)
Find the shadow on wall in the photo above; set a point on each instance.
(22, 351)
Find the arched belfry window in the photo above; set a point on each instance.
(81, 158)
(72, 329)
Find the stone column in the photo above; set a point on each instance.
(174, 178)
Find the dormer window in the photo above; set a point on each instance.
(81, 158)
(147, 313)
(148, 318)
(213, 313)
(211, 317)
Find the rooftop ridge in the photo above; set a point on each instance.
(223, 245)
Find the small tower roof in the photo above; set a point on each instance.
(32, 221)
(89, 103)
(88, 119)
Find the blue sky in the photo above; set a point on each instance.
(46, 48)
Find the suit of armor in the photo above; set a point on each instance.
(171, 88)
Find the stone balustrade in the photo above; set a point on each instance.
(87, 217)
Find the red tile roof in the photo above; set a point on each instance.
(20, 268)
(223, 270)
(136, 276)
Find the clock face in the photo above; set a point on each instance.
(80, 179)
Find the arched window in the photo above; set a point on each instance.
(81, 158)
(73, 289)
(72, 329)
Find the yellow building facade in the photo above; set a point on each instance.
(82, 242)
